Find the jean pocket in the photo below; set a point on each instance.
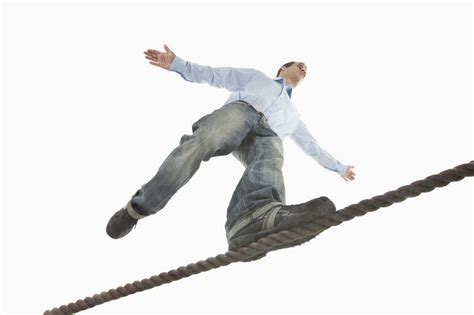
(264, 128)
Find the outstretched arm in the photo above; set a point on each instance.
(307, 143)
(232, 79)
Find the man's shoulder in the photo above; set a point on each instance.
(261, 76)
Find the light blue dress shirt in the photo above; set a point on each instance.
(272, 97)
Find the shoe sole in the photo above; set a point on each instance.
(304, 218)
(111, 228)
(282, 246)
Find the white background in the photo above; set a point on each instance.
(86, 120)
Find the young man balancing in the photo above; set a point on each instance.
(251, 125)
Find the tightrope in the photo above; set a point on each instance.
(274, 240)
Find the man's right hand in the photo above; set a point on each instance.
(160, 59)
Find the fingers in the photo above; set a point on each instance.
(151, 53)
(156, 64)
(154, 52)
(152, 58)
(155, 55)
(349, 175)
(345, 176)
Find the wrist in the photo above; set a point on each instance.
(177, 64)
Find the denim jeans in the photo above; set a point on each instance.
(237, 128)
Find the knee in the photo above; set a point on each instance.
(203, 146)
(199, 140)
(185, 138)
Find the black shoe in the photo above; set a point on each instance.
(121, 223)
(282, 218)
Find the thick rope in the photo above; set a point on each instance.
(265, 244)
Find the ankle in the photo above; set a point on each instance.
(132, 211)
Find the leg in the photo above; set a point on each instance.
(262, 183)
(218, 133)
(258, 206)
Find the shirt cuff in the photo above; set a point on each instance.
(341, 168)
(178, 65)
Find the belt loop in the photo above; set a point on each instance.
(251, 106)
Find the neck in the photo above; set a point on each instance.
(288, 82)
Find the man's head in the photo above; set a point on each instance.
(293, 72)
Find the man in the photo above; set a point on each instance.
(251, 125)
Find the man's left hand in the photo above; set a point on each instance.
(349, 174)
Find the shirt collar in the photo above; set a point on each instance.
(288, 87)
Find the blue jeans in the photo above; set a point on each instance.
(237, 128)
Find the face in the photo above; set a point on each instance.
(294, 73)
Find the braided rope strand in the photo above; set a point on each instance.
(274, 240)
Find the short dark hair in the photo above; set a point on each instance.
(288, 64)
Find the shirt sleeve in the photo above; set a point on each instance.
(308, 144)
(232, 79)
